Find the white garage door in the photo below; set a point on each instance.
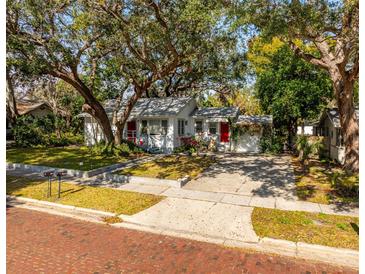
(248, 142)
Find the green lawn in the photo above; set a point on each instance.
(313, 228)
(325, 183)
(170, 167)
(105, 199)
(72, 157)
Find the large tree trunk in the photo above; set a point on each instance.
(95, 109)
(344, 89)
(12, 112)
(127, 111)
(91, 106)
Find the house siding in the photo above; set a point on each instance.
(332, 150)
(167, 143)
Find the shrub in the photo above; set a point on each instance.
(190, 145)
(26, 132)
(132, 146)
(65, 139)
(29, 132)
(271, 143)
(307, 147)
(123, 149)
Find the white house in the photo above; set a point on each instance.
(160, 124)
(330, 128)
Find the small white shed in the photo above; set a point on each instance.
(250, 130)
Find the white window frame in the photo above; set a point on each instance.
(180, 127)
(161, 129)
(216, 128)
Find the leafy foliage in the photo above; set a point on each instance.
(307, 147)
(29, 132)
(289, 88)
(272, 143)
(243, 98)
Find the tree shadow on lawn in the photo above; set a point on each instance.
(329, 180)
(355, 227)
(171, 167)
(78, 158)
(16, 184)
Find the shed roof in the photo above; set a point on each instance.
(334, 116)
(254, 119)
(215, 112)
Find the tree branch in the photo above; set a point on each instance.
(306, 56)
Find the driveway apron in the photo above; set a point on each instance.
(217, 220)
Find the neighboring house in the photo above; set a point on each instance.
(160, 124)
(330, 128)
(27, 107)
(32, 108)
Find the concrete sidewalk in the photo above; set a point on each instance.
(209, 196)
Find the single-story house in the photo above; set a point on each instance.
(329, 127)
(160, 124)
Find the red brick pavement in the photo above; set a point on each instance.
(43, 243)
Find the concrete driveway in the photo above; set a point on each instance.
(251, 175)
(201, 218)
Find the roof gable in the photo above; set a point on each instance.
(334, 116)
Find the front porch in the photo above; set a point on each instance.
(153, 135)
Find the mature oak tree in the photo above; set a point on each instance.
(161, 42)
(55, 38)
(90, 44)
(324, 33)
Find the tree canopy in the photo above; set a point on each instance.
(323, 33)
(289, 88)
(119, 49)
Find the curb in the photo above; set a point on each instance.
(127, 179)
(74, 172)
(331, 255)
(45, 205)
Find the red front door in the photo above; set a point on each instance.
(131, 131)
(224, 132)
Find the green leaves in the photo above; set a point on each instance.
(288, 87)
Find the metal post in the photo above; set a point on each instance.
(49, 186)
(49, 174)
(59, 174)
(59, 185)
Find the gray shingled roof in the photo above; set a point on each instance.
(254, 119)
(151, 107)
(334, 116)
(223, 112)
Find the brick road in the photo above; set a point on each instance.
(43, 243)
